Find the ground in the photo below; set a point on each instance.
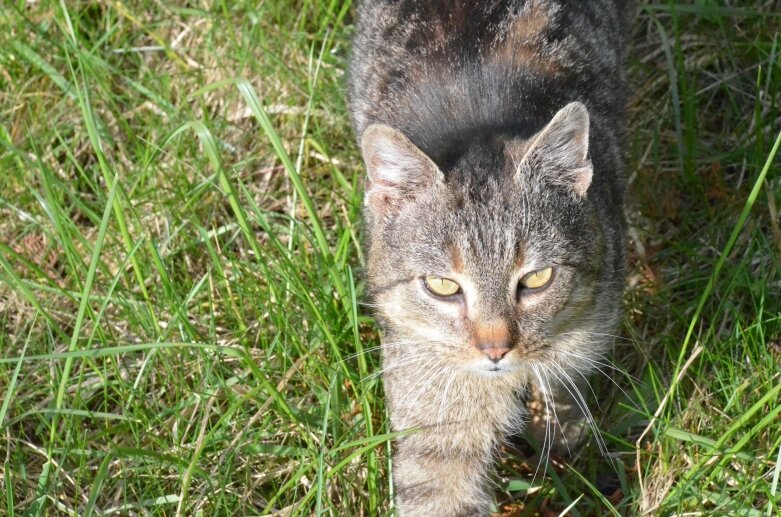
(181, 326)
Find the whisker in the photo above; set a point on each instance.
(373, 349)
(547, 441)
(601, 334)
(411, 359)
(442, 344)
(553, 407)
(608, 364)
(443, 400)
(577, 397)
(364, 351)
(391, 366)
(596, 399)
(439, 374)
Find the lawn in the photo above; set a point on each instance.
(181, 276)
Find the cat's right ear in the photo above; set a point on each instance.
(396, 170)
(559, 153)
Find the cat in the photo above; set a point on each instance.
(492, 134)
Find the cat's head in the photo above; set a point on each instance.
(494, 261)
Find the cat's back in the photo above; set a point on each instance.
(442, 70)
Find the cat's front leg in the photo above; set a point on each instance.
(556, 421)
(453, 424)
(430, 480)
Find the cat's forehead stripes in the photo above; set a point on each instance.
(532, 21)
(456, 257)
(520, 254)
(520, 41)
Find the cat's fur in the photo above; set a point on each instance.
(492, 134)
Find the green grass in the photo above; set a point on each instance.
(181, 327)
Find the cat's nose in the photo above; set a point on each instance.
(493, 352)
(493, 339)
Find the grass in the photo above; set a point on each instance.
(180, 270)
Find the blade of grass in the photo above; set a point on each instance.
(13, 280)
(256, 107)
(676, 377)
(605, 503)
(372, 466)
(65, 375)
(305, 128)
(672, 73)
(323, 446)
(36, 60)
(9, 390)
(774, 484)
(571, 506)
(210, 147)
(9, 489)
(90, 123)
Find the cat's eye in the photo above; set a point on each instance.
(536, 279)
(441, 286)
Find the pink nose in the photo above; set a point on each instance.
(493, 352)
(493, 339)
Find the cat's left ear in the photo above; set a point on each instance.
(559, 153)
(397, 172)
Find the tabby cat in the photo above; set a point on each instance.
(492, 133)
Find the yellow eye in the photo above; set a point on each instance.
(537, 279)
(441, 286)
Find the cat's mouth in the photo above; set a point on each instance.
(491, 369)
